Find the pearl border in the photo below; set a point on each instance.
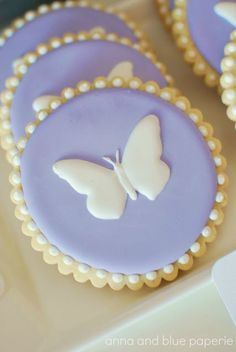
(184, 41)
(58, 5)
(11, 84)
(99, 277)
(165, 12)
(228, 78)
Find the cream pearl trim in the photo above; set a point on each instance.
(184, 41)
(97, 276)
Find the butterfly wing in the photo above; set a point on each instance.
(123, 69)
(227, 10)
(142, 162)
(106, 197)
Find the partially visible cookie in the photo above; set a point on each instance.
(202, 31)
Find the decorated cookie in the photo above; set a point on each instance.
(54, 20)
(64, 61)
(202, 29)
(122, 183)
(165, 8)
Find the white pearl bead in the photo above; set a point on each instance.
(16, 160)
(206, 232)
(42, 49)
(6, 125)
(22, 143)
(218, 161)
(55, 43)
(133, 279)
(30, 127)
(29, 16)
(18, 195)
(53, 251)
(214, 214)
(100, 84)
(55, 104)
(219, 197)
(195, 247)
(8, 32)
(41, 115)
(151, 276)
(56, 5)
(134, 84)
(24, 209)
(117, 82)
(166, 96)
(117, 278)
(229, 96)
(69, 93)
(22, 68)
(19, 23)
(111, 37)
(181, 105)
(101, 274)
(212, 145)
(84, 87)
(150, 88)
(83, 268)
(32, 226)
(168, 269)
(15, 177)
(43, 9)
(67, 260)
(203, 131)
(230, 48)
(41, 239)
(184, 259)
(221, 179)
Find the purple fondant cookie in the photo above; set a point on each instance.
(68, 60)
(122, 183)
(202, 29)
(54, 20)
(165, 8)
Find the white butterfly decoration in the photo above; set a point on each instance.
(227, 10)
(123, 69)
(141, 170)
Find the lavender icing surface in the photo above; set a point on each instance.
(70, 64)
(150, 234)
(56, 23)
(209, 32)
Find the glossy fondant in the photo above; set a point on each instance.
(209, 32)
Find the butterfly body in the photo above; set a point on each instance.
(122, 177)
